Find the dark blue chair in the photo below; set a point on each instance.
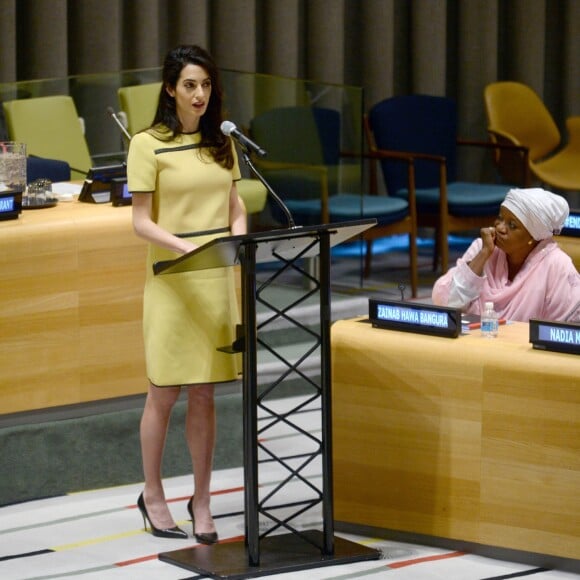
(42, 168)
(414, 137)
(306, 169)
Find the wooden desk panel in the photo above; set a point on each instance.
(530, 495)
(111, 277)
(71, 280)
(469, 439)
(406, 457)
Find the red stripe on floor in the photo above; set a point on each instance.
(232, 539)
(136, 561)
(404, 563)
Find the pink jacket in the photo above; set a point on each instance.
(547, 287)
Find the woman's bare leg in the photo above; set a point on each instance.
(153, 431)
(201, 433)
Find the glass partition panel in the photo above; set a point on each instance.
(337, 111)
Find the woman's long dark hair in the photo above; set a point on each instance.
(211, 135)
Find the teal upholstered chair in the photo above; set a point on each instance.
(303, 167)
(415, 139)
(304, 142)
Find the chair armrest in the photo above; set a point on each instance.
(492, 144)
(408, 156)
(499, 134)
(375, 154)
(500, 141)
(282, 165)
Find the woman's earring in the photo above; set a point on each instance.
(530, 242)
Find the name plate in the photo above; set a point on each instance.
(572, 224)
(99, 181)
(10, 204)
(558, 336)
(120, 194)
(415, 317)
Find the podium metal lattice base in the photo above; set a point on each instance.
(278, 554)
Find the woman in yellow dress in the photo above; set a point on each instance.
(182, 175)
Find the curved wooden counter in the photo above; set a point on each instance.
(470, 438)
(71, 282)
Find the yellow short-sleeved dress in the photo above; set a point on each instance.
(186, 316)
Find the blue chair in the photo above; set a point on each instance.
(42, 168)
(304, 168)
(414, 137)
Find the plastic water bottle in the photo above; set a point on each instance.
(489, 321)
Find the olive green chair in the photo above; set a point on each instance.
(139, 103)
(51, 128)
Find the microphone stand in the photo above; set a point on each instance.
(276, 197)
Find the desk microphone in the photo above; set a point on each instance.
(115, 118)
(402, 289)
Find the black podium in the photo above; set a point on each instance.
(280, 547)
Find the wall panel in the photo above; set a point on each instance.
(476, 63)
(282, 33)
(233, 34)
(95, 40)
(429, 31)
(8, 40)
(141, 24)
(571, 60)
(188, 22)
(451, 47)
(42, 38)
(325, 41)
(377, 49)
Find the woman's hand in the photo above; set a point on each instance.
(487, 248)
(488, 239)
(187, 247)
(147, 229)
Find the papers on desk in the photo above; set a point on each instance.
(66, 191)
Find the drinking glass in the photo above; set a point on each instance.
(12, 166)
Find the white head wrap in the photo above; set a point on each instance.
(542, 213)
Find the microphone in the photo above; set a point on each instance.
(115, 118)
(228, 128)
(402, 289)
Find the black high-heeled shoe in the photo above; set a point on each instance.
(174, 533)
(204, 537)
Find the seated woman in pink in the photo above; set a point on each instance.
(517, 264)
